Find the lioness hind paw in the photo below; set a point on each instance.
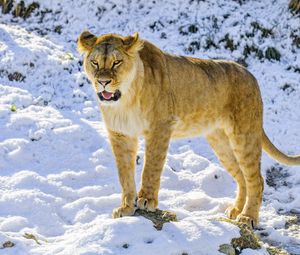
(232, 212)
(251, 222)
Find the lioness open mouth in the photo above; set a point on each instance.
(109, 96)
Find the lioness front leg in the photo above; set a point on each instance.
(124, 149)
(157, 142)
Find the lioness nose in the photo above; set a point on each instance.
(104, 83)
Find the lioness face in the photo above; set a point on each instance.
(110, 64)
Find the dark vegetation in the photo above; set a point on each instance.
(18, 9)
(294, 6)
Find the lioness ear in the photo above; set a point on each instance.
(86, 41)
(133, 43)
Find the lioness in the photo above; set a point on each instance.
(144, 91)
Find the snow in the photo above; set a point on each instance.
(249, 252)
(58, 178)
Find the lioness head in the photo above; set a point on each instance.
(110, 63)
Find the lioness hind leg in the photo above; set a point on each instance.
(220, 144)
(247, 149)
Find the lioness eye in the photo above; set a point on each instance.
(94, 63)
(116, 63)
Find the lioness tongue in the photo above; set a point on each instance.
(107, 95)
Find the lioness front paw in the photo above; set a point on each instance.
(147, 201)
(148, 204)
(232, 212)
(123, 211)
(248, 220)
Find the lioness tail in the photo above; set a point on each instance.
(270, 148)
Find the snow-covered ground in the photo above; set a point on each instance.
(58, 179)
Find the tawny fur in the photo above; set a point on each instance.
(166, 96)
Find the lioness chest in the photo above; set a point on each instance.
(126, 121)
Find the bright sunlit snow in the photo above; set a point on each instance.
(58, 178)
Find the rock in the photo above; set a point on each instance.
(276, 251)
(31, 236)
(8, 244)
(159, 217)
(227, 249)
(248, 239)
(16, 76)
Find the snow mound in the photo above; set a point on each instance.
(58, 179)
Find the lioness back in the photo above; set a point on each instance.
(200, 94)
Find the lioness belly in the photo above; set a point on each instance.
(193, 128)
